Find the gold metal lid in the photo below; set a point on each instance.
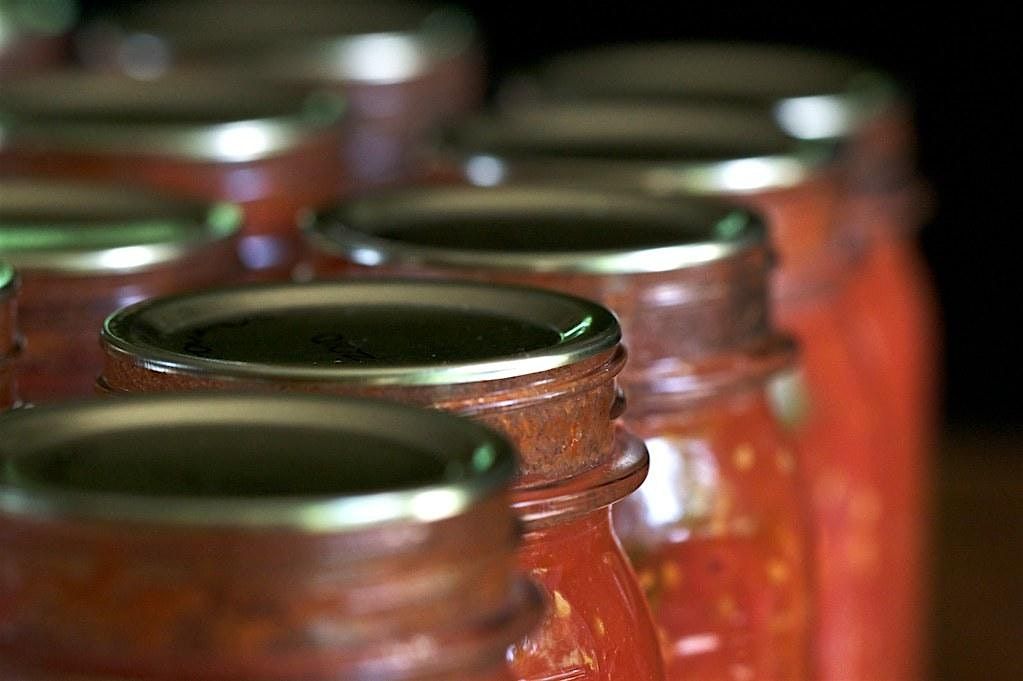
(375, 41)
(370, 332)
(814, 94)
(306, 463)
(533, 228)
(196, 117)
(661, 149)
(92, 229)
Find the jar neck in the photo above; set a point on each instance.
(690, 312)
(263, 605)
(686, 387)
(547, 505)
(817, 280)
(800, 218)
(561, 421)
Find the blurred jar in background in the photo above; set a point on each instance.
(537, 366)
(34, 34)
(83, 251)
(403, 67)
(272, 149)
(891, 317)
(739, 154)
(269, 538)
(9, 341)
(717, 532)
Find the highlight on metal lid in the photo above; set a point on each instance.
(7, 279)
(83, 228)
(190, 116)
(393, 332)
(304, 463)
(661, 148)
(534, 228)
(814, 94)
(366, 40)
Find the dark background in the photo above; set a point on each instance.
(961, 68)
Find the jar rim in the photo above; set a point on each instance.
(391, 54)
(548, 330)
(554, 502)
(360, 42)
(197, 117)
(664, 148)
(812, 94)
(99, 460)
(72, 227)
(637, 234)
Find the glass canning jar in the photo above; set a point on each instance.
(537, 366)
(740, 154)
(267, 538)
(403, 67)
(718, 530)
(271, 149)
(9, 342)
(83, 251)
(891, 315)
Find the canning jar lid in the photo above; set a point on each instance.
(813, 94)
(382, 332)
(659, 148)
(306, 463)
(187, 116)
(364, 40)
(71, 227)
(533, 228)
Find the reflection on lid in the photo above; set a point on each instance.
(79, 227)
(308, 463)
(183, 116)
(382, 332)
(535, 228)
(814, 94)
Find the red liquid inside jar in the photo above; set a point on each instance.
(892, 323)
(888, 313)
(273, 151)
(265, 582)
(724, 505)
(535, 366)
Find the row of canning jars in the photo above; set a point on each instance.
(704, 533)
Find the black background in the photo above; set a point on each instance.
(961, 67)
